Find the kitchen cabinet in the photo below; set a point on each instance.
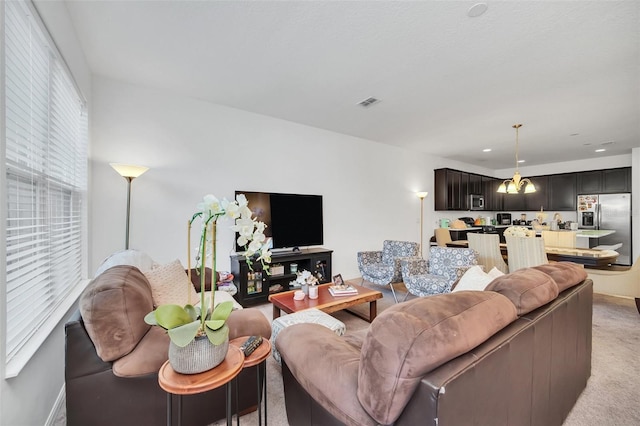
(451, 188)
(475, 184)
(553, 192)
(590, 182)
(492, 200)
(616, 180)
(562, 192)
(539, 199)
(608, 181)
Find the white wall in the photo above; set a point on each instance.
(194, 148)
(30, 398)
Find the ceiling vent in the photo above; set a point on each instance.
(368, 102)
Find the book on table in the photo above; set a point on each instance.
(342, 290)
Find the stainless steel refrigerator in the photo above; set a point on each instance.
(610, 212)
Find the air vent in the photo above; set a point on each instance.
(368, 102)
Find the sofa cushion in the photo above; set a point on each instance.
(565, 274)
(410, 339)
(147, 357)
(113, 307)
(327, 368)
(527, 288)
(170, 285)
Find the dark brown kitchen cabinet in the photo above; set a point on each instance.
(590, 182)
(492, 200)
(607, 181)
(616, 180)
(513, 202)
(562, 192)
(451, 188)
(475, 184)
(537, 200)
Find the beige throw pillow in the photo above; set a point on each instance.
(170, 285)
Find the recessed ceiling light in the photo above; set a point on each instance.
(600, 150)
(607, 143)
(574, 134)
(486, 150)
(477, 10)
(521, 161)
(587, 144)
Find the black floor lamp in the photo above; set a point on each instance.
(129, 172)
(422, 195)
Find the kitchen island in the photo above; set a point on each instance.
(587, 238)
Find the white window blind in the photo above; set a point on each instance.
(46, 178)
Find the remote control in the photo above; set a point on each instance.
(251, 344)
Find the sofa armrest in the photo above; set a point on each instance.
(248, 322)
(81, 358)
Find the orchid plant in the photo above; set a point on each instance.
(183, 324)
(306, 278)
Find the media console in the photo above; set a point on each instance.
(255, 286)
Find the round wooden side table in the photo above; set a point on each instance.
(188, 384)
(258, 357)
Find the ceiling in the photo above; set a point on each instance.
(450, 85)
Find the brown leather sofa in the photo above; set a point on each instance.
(113, 380)
(518, 353)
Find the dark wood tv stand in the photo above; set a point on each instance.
(255, 286)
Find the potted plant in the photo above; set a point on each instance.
(195, 328)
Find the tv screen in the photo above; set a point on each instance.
(293, 220)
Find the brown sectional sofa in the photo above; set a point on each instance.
(112, 358)
(518, 353)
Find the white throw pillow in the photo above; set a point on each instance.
(136, 258)
(170, 285)
(474, 279)
(495, 273)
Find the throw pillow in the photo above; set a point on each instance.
(170, 285)
(136, 258)
(474, 279)
(495, 273)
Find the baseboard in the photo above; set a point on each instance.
(57, 409)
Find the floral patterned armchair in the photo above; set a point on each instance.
(383, 267)
(438, 274)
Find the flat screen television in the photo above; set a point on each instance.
(293, 220)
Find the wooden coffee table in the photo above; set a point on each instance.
(326, 302)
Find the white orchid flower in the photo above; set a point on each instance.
(255, 246)
(241, 200)
(265, 255)
(260, 227)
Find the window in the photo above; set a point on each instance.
(45, 181)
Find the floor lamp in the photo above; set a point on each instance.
(129, 172)
(422, 196)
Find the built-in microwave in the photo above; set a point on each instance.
(476, 202)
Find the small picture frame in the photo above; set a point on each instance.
(338, 281)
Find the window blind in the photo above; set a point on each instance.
(46, 178)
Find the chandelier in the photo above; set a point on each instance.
(514, 185)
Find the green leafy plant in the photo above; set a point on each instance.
(183, 324)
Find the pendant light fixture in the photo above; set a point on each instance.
(513, 186)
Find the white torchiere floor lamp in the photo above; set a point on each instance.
(422, 195)
(129, 172)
